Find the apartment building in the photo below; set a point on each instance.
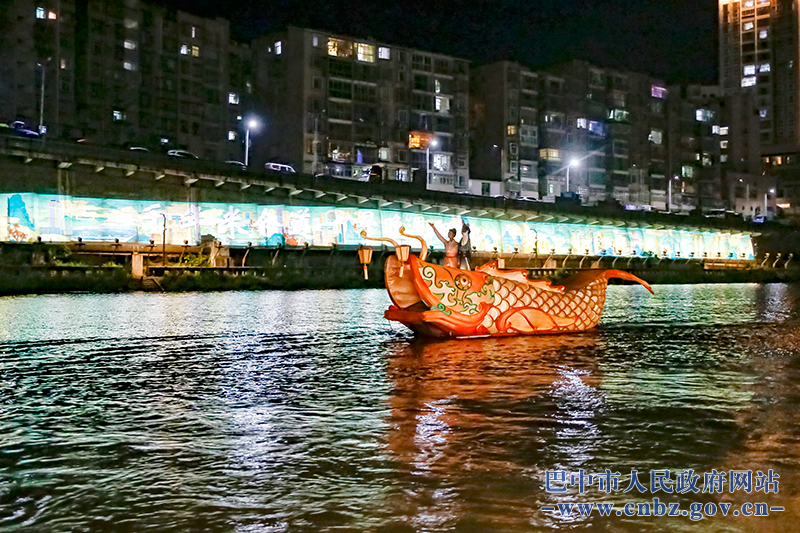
(122, 73)
(341, 106)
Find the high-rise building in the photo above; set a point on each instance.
(120, 73)
(340, 105)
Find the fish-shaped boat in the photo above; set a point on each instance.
(439, 301)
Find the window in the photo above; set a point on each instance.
(619, 115)
(704, 115)
(462, 161)
(130, 45)
(749, 70)
(315, 41)
(597, 128)
(442, 104)
(118, 115)
(513, 149)
(131, 24)
(195, 51)
(401, 174)
(723, 144)
(764, 68)
(581, 123)
(194, 32)
(748, 26)
(365, 52)
(51, 15)
(437, 86)
(63, 64)
(512, 129)
(723, 130)
(278, 48)
(441, 162)
(715, 130)
(184, 50)
(529, 135)
(340, 48)
(658, 92)
(687, 171)
(231, 135)
(723, 158)
(762, 112)
(748, 81)
(549, 154)
(128, 65)
(383, 154)
(763, 34)
(656, 136)
(233, 98)
(384, 53)
(40, 14)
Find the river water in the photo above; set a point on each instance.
(307, 411)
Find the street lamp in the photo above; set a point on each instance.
(251, 124)
(573, 163)
(433, 143)
(669, 197)
(771, 191)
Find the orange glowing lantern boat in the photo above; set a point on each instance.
(438, 301)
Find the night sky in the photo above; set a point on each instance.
(675, 40)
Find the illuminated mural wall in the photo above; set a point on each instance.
(23, 217)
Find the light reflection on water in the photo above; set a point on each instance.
(306, 411)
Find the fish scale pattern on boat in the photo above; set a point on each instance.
(582, 306)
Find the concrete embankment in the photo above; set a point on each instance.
(117, 267)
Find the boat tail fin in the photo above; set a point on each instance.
(630, 277)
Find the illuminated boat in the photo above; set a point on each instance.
(438, 301)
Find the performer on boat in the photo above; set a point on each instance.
(465, 248)
(450, 247)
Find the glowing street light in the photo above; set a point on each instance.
(573, 163)
(251, 124)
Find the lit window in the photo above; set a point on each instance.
(704, 115)
(340, 48)
(52, 16)
(764, 68)
(195, 51)
(762, 112)
(184, 50)
(194, 32)
(656, 136)
(763, 34)
(278, 48)
(441, 162)
(437, 86)
(581, 123)
(383, 154)
(442, 104)
(233, 98)
(598, 128)
(131, 24)
(40, 14)
(384, 53)
(118, 115)
(748, 26)
(63, 64)
(529, 135)
(549, 154)
(128, 65)
(687, 171)
(749, 70)
(749, 3)
(512, 129)
(715, 130)
(365, 52)
(748, 81)
(130, 45)
(619, 115)
(513, 149)
(723, 158)
(658, 92)
(314, 41)
(231, 135)
(723, 130)
(723, 145)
